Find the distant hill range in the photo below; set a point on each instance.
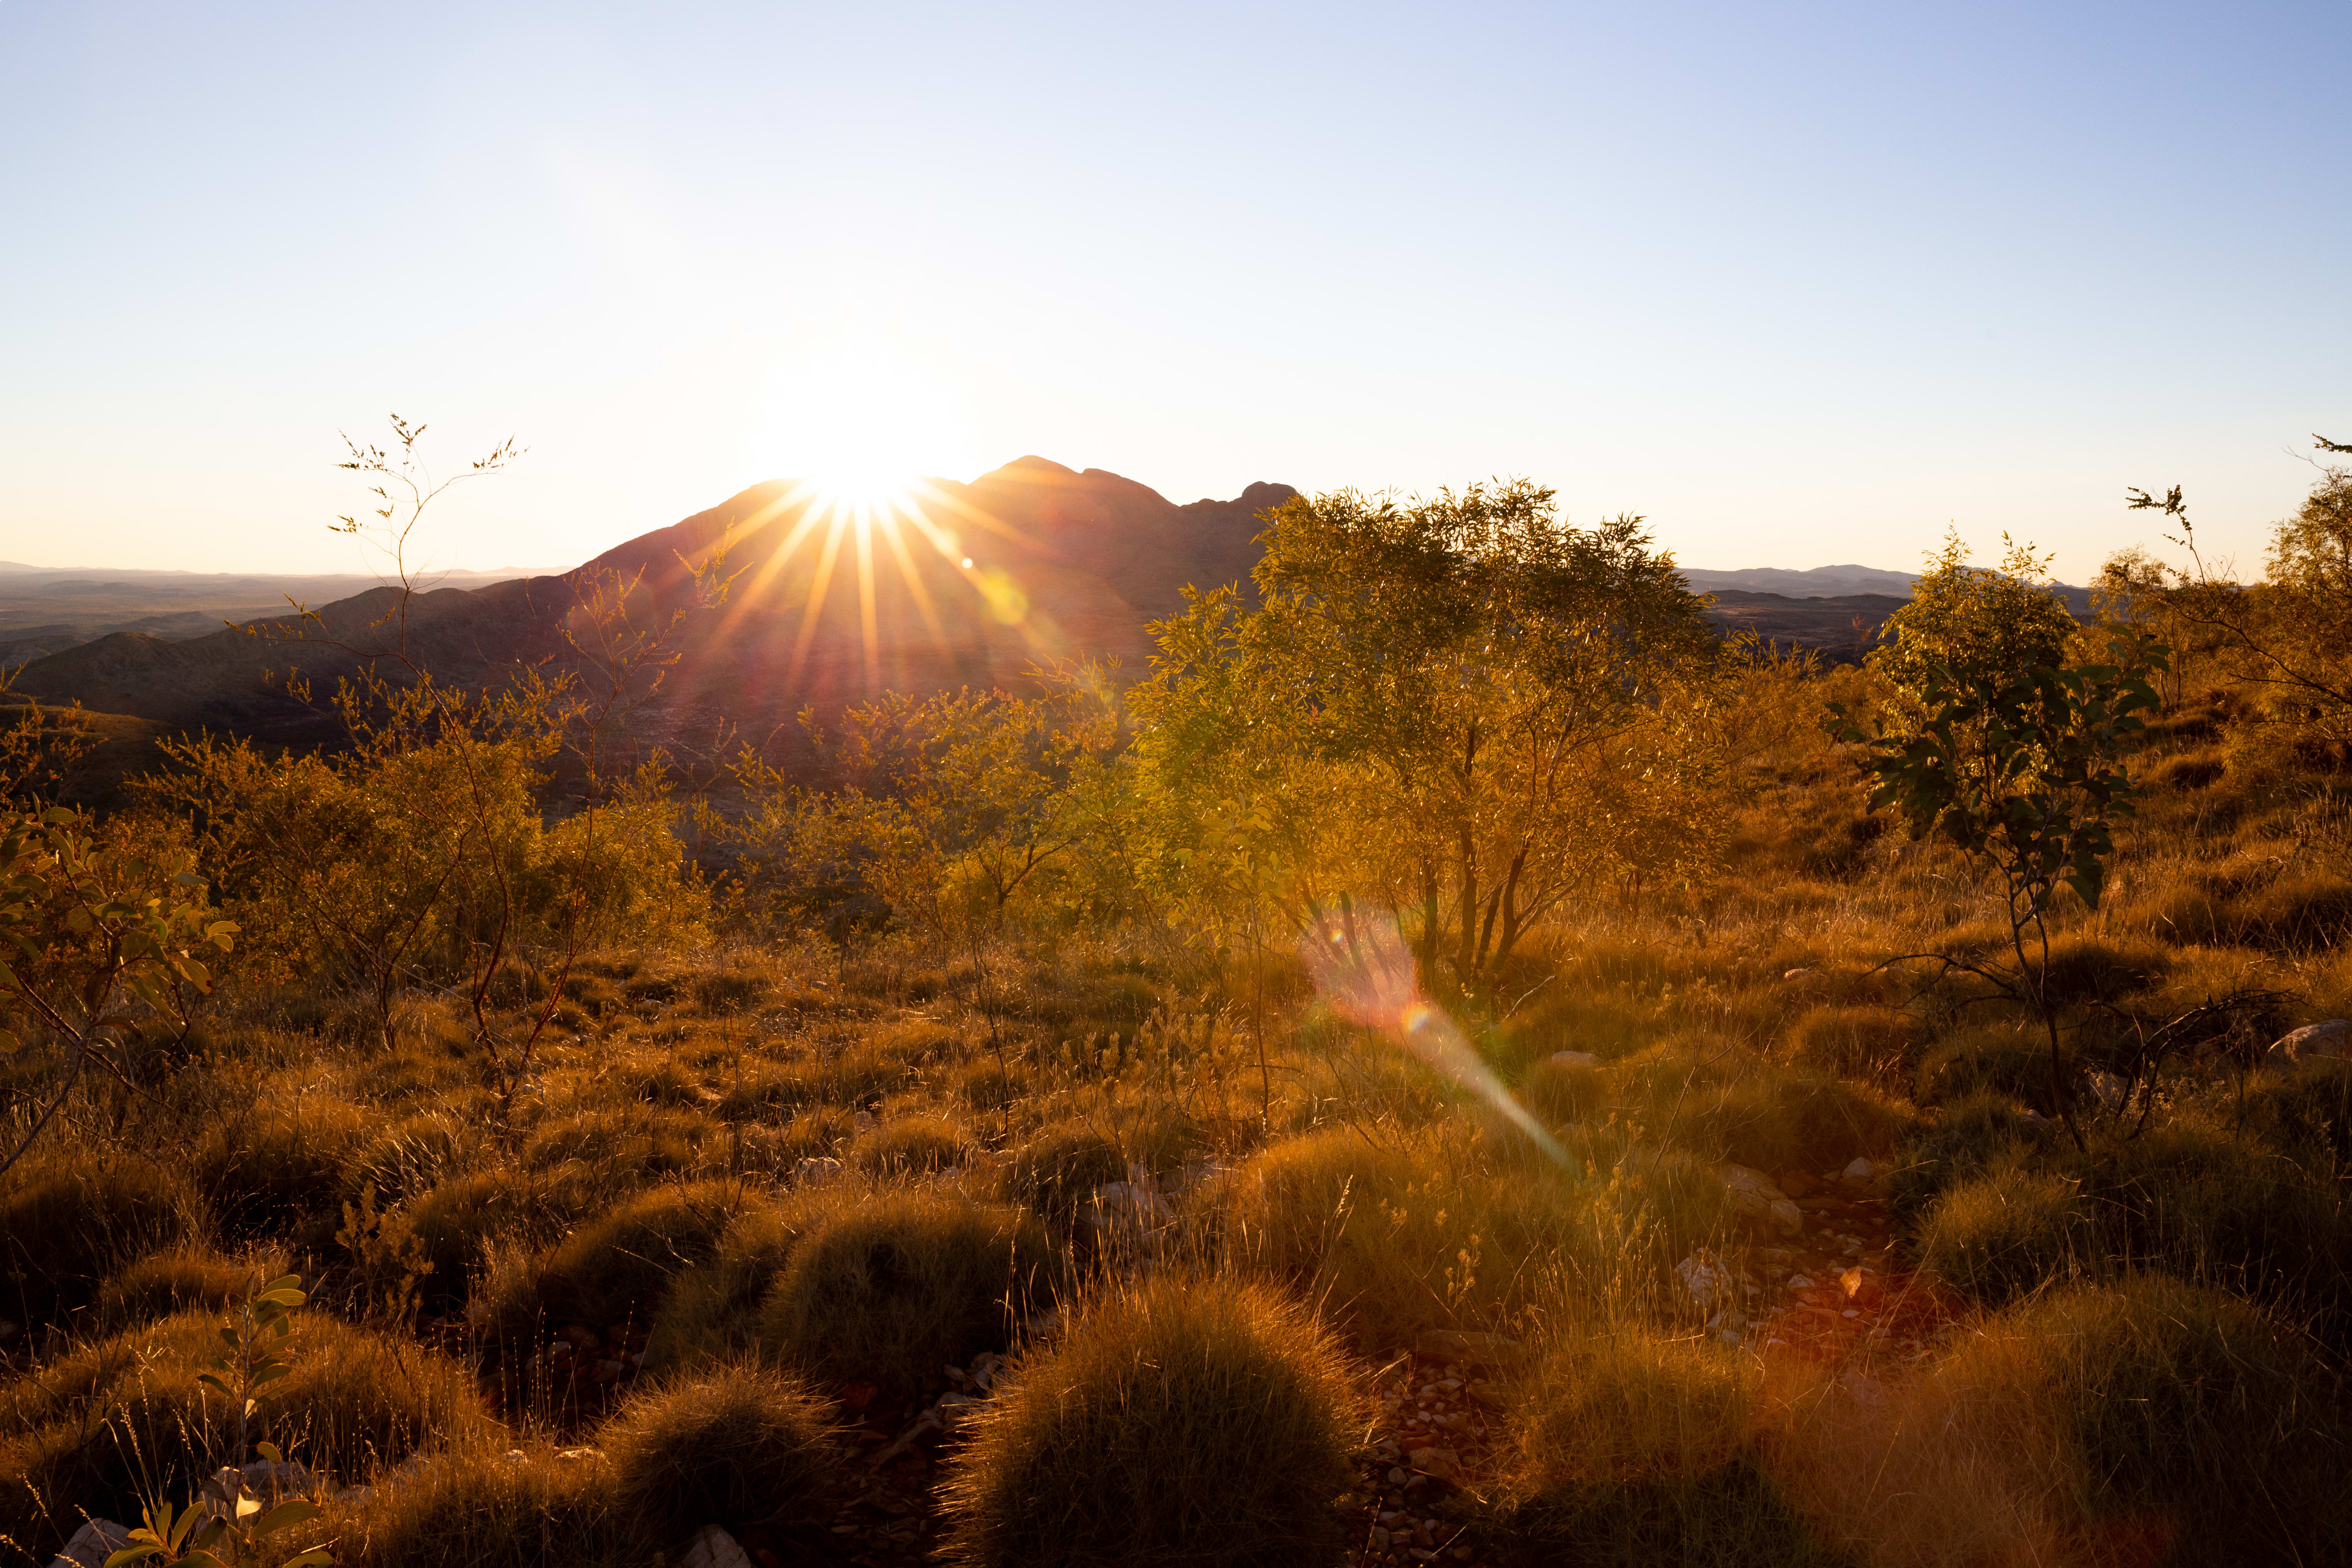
(1836, 611)
(822, 611)
(1820, 582)
(977, 584)
(46, 609)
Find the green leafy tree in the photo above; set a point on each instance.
(2288, 636)
(1972, 617)
(1462, 705)
(2016, 759)
(94, 934)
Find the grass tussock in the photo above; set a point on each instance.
(2149, 1420)
(615, 1268)
(1185, 1421)
(1635, 1449)
(740, 1445)
(125, 1417)
(536, 1507)
(892, 1288)
(67, 1224)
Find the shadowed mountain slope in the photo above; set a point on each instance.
(829, 603)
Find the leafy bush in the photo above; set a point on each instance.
(66, 1224)
(742, 1445)
(1186, 1422)
(898, 1286)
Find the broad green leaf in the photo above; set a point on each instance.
(294, 1511)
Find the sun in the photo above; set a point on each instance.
(847, 422)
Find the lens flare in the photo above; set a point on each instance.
(1362, 966)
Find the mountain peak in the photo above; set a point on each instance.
(1029, 468)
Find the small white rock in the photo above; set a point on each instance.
(2329, 1037)
(1757, 1196)
(1707, 1281)
(92, 1544)
(714, 1548)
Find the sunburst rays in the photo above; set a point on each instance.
(910, 516)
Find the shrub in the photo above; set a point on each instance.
(1188, 1422)
(901, 1285)
(908, 1145)
(66, 1224)
(1635, 1451)
(616, 1268)
(478, 1506)
(743, 1445)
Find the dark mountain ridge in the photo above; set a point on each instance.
(822, 609)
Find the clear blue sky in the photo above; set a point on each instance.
(1802, 284)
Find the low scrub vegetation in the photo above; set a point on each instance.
(1458, 1066)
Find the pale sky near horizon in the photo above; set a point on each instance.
(1801, 284)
